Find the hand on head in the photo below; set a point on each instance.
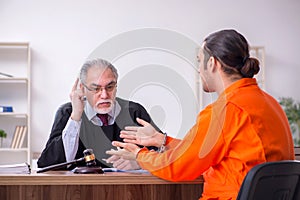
(77, 99)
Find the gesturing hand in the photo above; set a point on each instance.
(128, 152)
(77, 96)
(121, 163)
(145, 135)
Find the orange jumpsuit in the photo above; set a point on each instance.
(244, 127)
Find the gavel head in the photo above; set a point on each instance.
(89, 157)
(90, 161)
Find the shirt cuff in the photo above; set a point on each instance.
(72, 127)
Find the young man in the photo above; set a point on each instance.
(244, 127)
(93, 118)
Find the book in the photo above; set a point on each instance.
(19, 137)
(6, 109)
(19, 168)
(22, 137)
(14, 139)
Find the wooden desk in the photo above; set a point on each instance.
(111, 185)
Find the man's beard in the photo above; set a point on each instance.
(105, 109)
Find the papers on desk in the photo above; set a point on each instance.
(21, 168)
(129, 171)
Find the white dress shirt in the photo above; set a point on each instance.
(70, 134)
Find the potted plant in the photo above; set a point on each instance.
(2, 135)
(292, 111)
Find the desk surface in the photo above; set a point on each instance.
(108, 186)
(69, 178)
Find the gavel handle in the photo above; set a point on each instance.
(58, 166)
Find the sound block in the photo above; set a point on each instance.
(88, 170)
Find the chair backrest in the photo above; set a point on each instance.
(278, 180)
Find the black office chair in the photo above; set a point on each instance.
(278, 180)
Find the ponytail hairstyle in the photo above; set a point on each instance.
(232, 50)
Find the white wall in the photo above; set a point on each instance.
(63, 34)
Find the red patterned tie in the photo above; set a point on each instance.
(103, 118)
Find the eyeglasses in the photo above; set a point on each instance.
(96, 89)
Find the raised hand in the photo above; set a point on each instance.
(77, 99)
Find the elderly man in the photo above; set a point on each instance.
(93, 118)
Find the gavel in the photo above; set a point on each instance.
(89, 159)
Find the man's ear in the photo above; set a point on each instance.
(211, 64)
(81, 87)
(215, 64)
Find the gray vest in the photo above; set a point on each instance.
(96, 137)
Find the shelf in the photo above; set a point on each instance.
(12, 114)
(14, 44)
(11, 149)
(13, 80)
(15, 60)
